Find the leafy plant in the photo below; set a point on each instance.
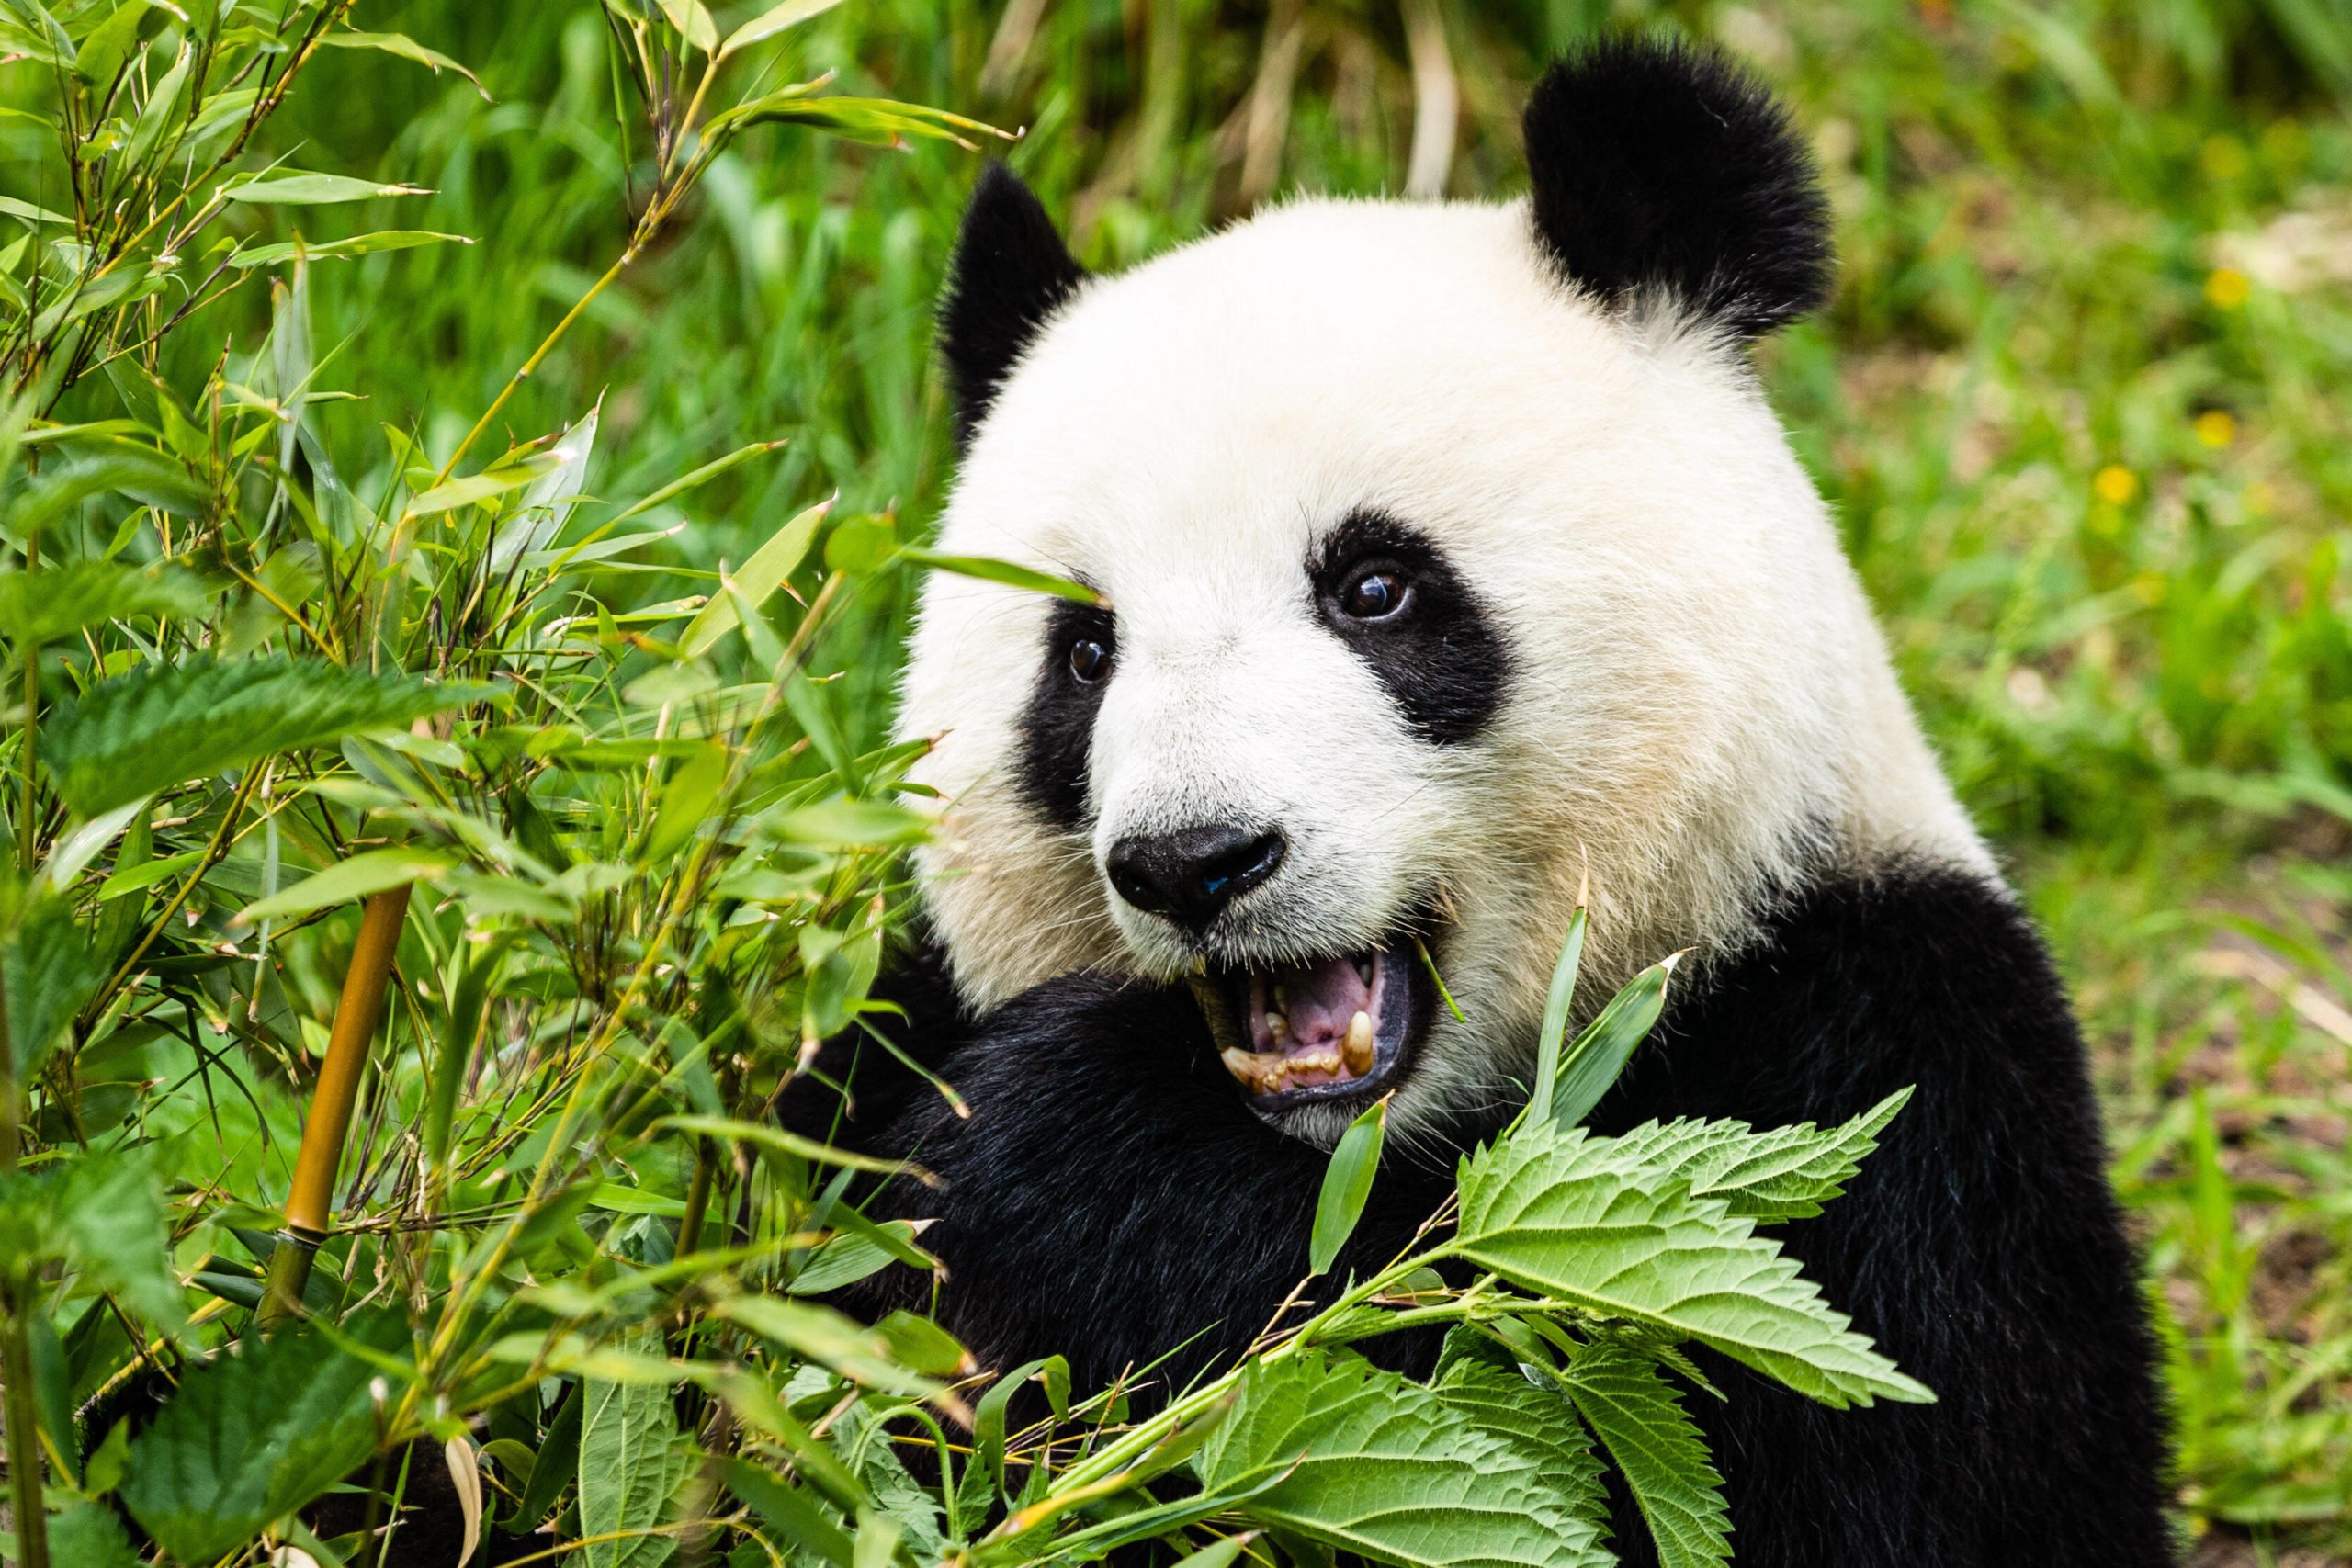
(664, 856)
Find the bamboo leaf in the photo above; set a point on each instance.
(773, 20)
(1556, 1004)
(246, 256)
(1006, 572)
(348, 880)
(308, 190)
(1347, 1185)
(406, 48)
(1599, 1054)
(755, 581)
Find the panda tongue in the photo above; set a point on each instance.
(1322, 999)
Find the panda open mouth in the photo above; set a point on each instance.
(1335, 1028)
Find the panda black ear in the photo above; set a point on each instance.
(1663, 166)
(1011, 272)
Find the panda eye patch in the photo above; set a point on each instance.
(1376, 593)
(1088, 660)
(1392, 595)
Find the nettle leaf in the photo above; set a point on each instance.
(1787, 1173)
(254, 1435)
(631, 1462)
(103, 1214)
(89, 1535)
(49, 966)
(163, 724)
(1502, 1401)
(1566, 1215)
(42, 606)
(1640, 1419)
(1366, 1462)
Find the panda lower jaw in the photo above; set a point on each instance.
(1336, 1029)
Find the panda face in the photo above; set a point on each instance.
(1437, 592)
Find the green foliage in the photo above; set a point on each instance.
(1639, 1418)
(1347, 1186)
(1569, 1217)
(2076, 408)
(1369, 1463)
(165, 723)
(632, 1461)
(254, 1435)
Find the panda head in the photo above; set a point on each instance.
(1451, 565)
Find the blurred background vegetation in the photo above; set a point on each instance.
(2080, 405)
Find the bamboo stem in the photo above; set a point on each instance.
(309, 1203)
(19, 1416)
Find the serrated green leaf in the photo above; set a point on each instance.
(49, 968)
(1786, 1173)
(42, 606)
(1639, 1418)
(258, 1432)
(1559, 1213)
(1368, 1462)
(161, 724)
(89, 1535)
(1501, 1400)
(632, 1461)
(1347, 1184)
(102, 1214)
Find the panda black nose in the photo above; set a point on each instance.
(1191, 875)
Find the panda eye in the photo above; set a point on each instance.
(1375, 594)
(1088, 660)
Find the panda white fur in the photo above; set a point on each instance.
(1454, 563)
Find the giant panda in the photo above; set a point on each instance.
(1452, 564)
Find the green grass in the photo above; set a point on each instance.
(2081, 406)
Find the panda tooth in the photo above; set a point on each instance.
(1277, 1026)
(1357, 1047)
(1242, 1064)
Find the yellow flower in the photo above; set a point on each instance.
(2115, 484)
(2226, 289)
(2216, 428)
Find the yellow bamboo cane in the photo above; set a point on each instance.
(310, 1204)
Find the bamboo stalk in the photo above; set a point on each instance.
(309, 1203)
(19, 1415)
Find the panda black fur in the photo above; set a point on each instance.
(1635, 655)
